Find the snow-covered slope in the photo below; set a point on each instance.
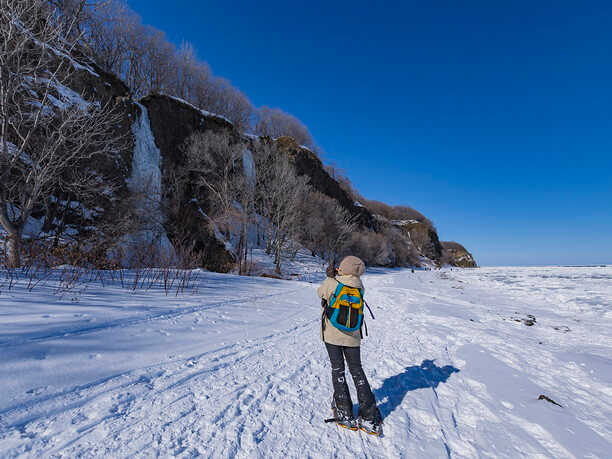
(233, 367)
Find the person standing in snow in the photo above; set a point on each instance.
(343, 345)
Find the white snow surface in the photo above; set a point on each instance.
(73, 62)
(303, 266)
(233, 366)
(403, 222)
(62, 53)
(68, 97)
(201, 110)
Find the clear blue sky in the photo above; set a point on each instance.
(492, 118)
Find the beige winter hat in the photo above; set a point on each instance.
(352, 265)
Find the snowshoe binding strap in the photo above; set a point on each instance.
(344, 423)
(371, 428)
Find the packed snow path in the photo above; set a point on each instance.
(236, 368)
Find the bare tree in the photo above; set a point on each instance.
(223, 173)
(50, 136)
(80, 11)
(232, 103)
(275, 123)
(409, 213)
(201, 92)
(187, 70)
(397, 212)
(326, 226)
(110, 34)
(211, 160)
(373, 248)
(143, 57)
(403, 250)
(280, 196)
(157, 68)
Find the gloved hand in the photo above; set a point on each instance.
(323, 302)
(331, 270)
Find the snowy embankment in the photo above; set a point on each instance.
(233, 367)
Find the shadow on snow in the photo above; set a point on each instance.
(395, 388)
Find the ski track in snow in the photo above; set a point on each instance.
(454, 373)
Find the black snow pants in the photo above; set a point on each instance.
(342, 398)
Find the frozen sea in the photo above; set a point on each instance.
(233, 367)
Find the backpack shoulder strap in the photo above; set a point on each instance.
(363, 324)
(336, 292)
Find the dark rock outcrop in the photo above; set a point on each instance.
(549, 400)
(424, 238)
(173, 120)
(187, 224)
(94, 85)
(457, 255)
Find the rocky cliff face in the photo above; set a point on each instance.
(424, 238)
(173, 120)
(187, 225)
(457, 255)
(95, 84)
(65, 213)
(185, 221)
(151, 131)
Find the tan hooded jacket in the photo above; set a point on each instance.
(333, 335)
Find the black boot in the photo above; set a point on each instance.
(343, 420)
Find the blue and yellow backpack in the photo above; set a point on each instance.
(345, 308)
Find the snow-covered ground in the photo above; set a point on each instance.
(233, 366)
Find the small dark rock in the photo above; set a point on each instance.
(548, 399)
(529, 322)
